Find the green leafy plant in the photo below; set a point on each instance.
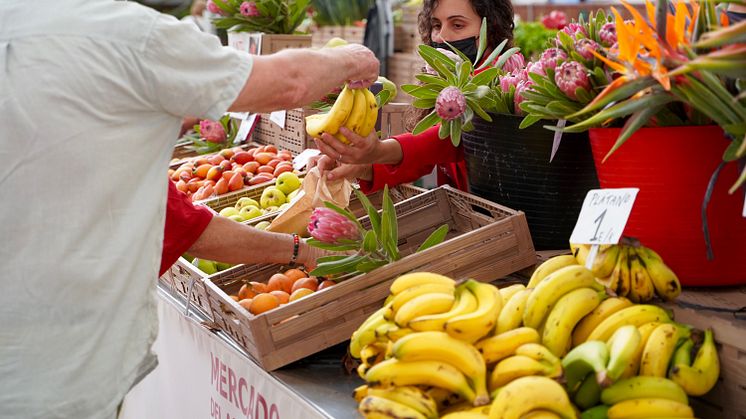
(532, 38)
(341, 13)
(211, 136)
(334, 228)
(267, 16)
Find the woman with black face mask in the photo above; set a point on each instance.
(405, 158)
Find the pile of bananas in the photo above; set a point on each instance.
(632, 271)
(552, 349)
(355, 109)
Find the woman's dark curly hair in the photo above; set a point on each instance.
(499, 14)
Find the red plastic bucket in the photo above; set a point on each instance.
(672, 167)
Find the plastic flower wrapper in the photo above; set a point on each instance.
(454, 93)
(337, 229)
(211, 136)
(268, 16)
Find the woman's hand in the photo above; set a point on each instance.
(360, 150)
(336, 170)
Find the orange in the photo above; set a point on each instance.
(326, 284)
(259, 287)
(245, 303)
(263, 302)
(310, 283)
(299, 293)
(234, 297)
(295, 274)
(246, 292)
(282, 296)
(280, 282)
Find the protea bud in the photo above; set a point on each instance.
(551, 57)
(569, 76)
(523, 85)
(573, 29)
(328, 226)
(514, 63)
(214, 9)
(607, 34)
(536, 67)
(450, 104)
(212, 131)
(584, 46)
(509, 80)
(554, 20)
(249, 9)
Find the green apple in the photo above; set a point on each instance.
(221, 266)
(244, 202)
(389, 86)
(292, 195)
(204, 265)
(237, 218)
(188, 257)
(272, 197)
(262, 225)
(271, 209)
(287, 182)
(249, 212)
(335, 42)
(228, 211)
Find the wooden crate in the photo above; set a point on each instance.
(486, 241)
(322, 34)
(392, 119)
(721, 309)
(272, 43)
(293, 137)
(402, 68)
(186, 154)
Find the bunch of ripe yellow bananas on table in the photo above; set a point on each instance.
(632, 271)
(551, 349)
(355, 109)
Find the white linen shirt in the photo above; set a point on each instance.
(92, 94)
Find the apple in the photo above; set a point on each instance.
(292, 195)
(271, 209)
(222, 266)
(237, 218)
(204, 265)
(262, 225)
(272, 197)
(335, 42)
(287, 182)
(249, 212)
(245, 202)
(188, 257)
(389, 86)
(228, 211)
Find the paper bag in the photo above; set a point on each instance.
(316, 190)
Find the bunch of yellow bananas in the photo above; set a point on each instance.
(355, 109)
(636, 272)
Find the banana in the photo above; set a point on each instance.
(659, 349)
(580, 252)
(337, 115)
(683, 354)
(621, 275)
(588, 394)
(418, 278)
(648, 408)
(508, 292)
(392, 332)
(549, 266)
(540, 414)
(606, 259)
(635, 315)
(360, 392)
(540, 353)
(495, 348)
(665, 281)
(701, 376)
(590, 357)
(357, 115)
(517, 366)
(567, 312)
(607, 307)
(466, 302)
(642, 286)
(480, 322)
(366, 333)
(372, 406)
(422, 305)
(440, 346)
(371, 114)
(525, 394)
(464, 407)
(409, 396)
(444, 399)
(464, 415)
(511, 315)
(598, 412)
(552, 288)
(393, 372)
(633, 367)
(370, 355)
(403, 297)
(623, 346)
(641, 387)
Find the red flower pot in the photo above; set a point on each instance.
(672, 167)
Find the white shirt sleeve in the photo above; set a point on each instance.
(190, 73)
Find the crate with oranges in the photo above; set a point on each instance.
(281, 288)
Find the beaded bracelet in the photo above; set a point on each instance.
(296, 248)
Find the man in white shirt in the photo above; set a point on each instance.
(92, 94)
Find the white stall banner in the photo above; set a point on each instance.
(200, 376)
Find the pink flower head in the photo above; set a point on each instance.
(536, 67)
(514, 63)
(509, 80)
(607, 34)
(328, 226)
(450, 104)
(584, 46)
(573, 29)
(249, 9)
(214, 9)
(554, 20)
(551, 57)
(212, 131)
(570, 76)
(523, 85)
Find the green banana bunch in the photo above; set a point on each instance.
(590, 357)
(701, 376)
(588, 394)
(623, 346)
(598, 412)
(355, 109)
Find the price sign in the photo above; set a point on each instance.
(301, 160)
(245, 128)
(278, 117)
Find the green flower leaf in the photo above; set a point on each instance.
(370, 264)
(424, 103)
(456, 128)
(375, 218)
(485, 77)
(529, 120)
(635, 122)
(331, 258)
(504, 57)
(427, 122)
(350, 216)
(482, 40)
(389, 227)
(445, 129)
(463, 73)
(430, 79)
(370, 241)
(345, 265)
(488, 62)
(474, 105)
(435, 238)
(334, 247)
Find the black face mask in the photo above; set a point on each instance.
(467, 46)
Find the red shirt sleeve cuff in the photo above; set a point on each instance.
(185, 222)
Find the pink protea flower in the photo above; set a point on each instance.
(249, 9)
(554, 20)
(509, 80)
(536, 67)
(214, 9)
(607, 34)
(328, 226)
(551, 57)
(514, 63)
(450, 104)
(584, 46)
(212, 131)
(523, 85)
(569, 76)
(573, 29)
